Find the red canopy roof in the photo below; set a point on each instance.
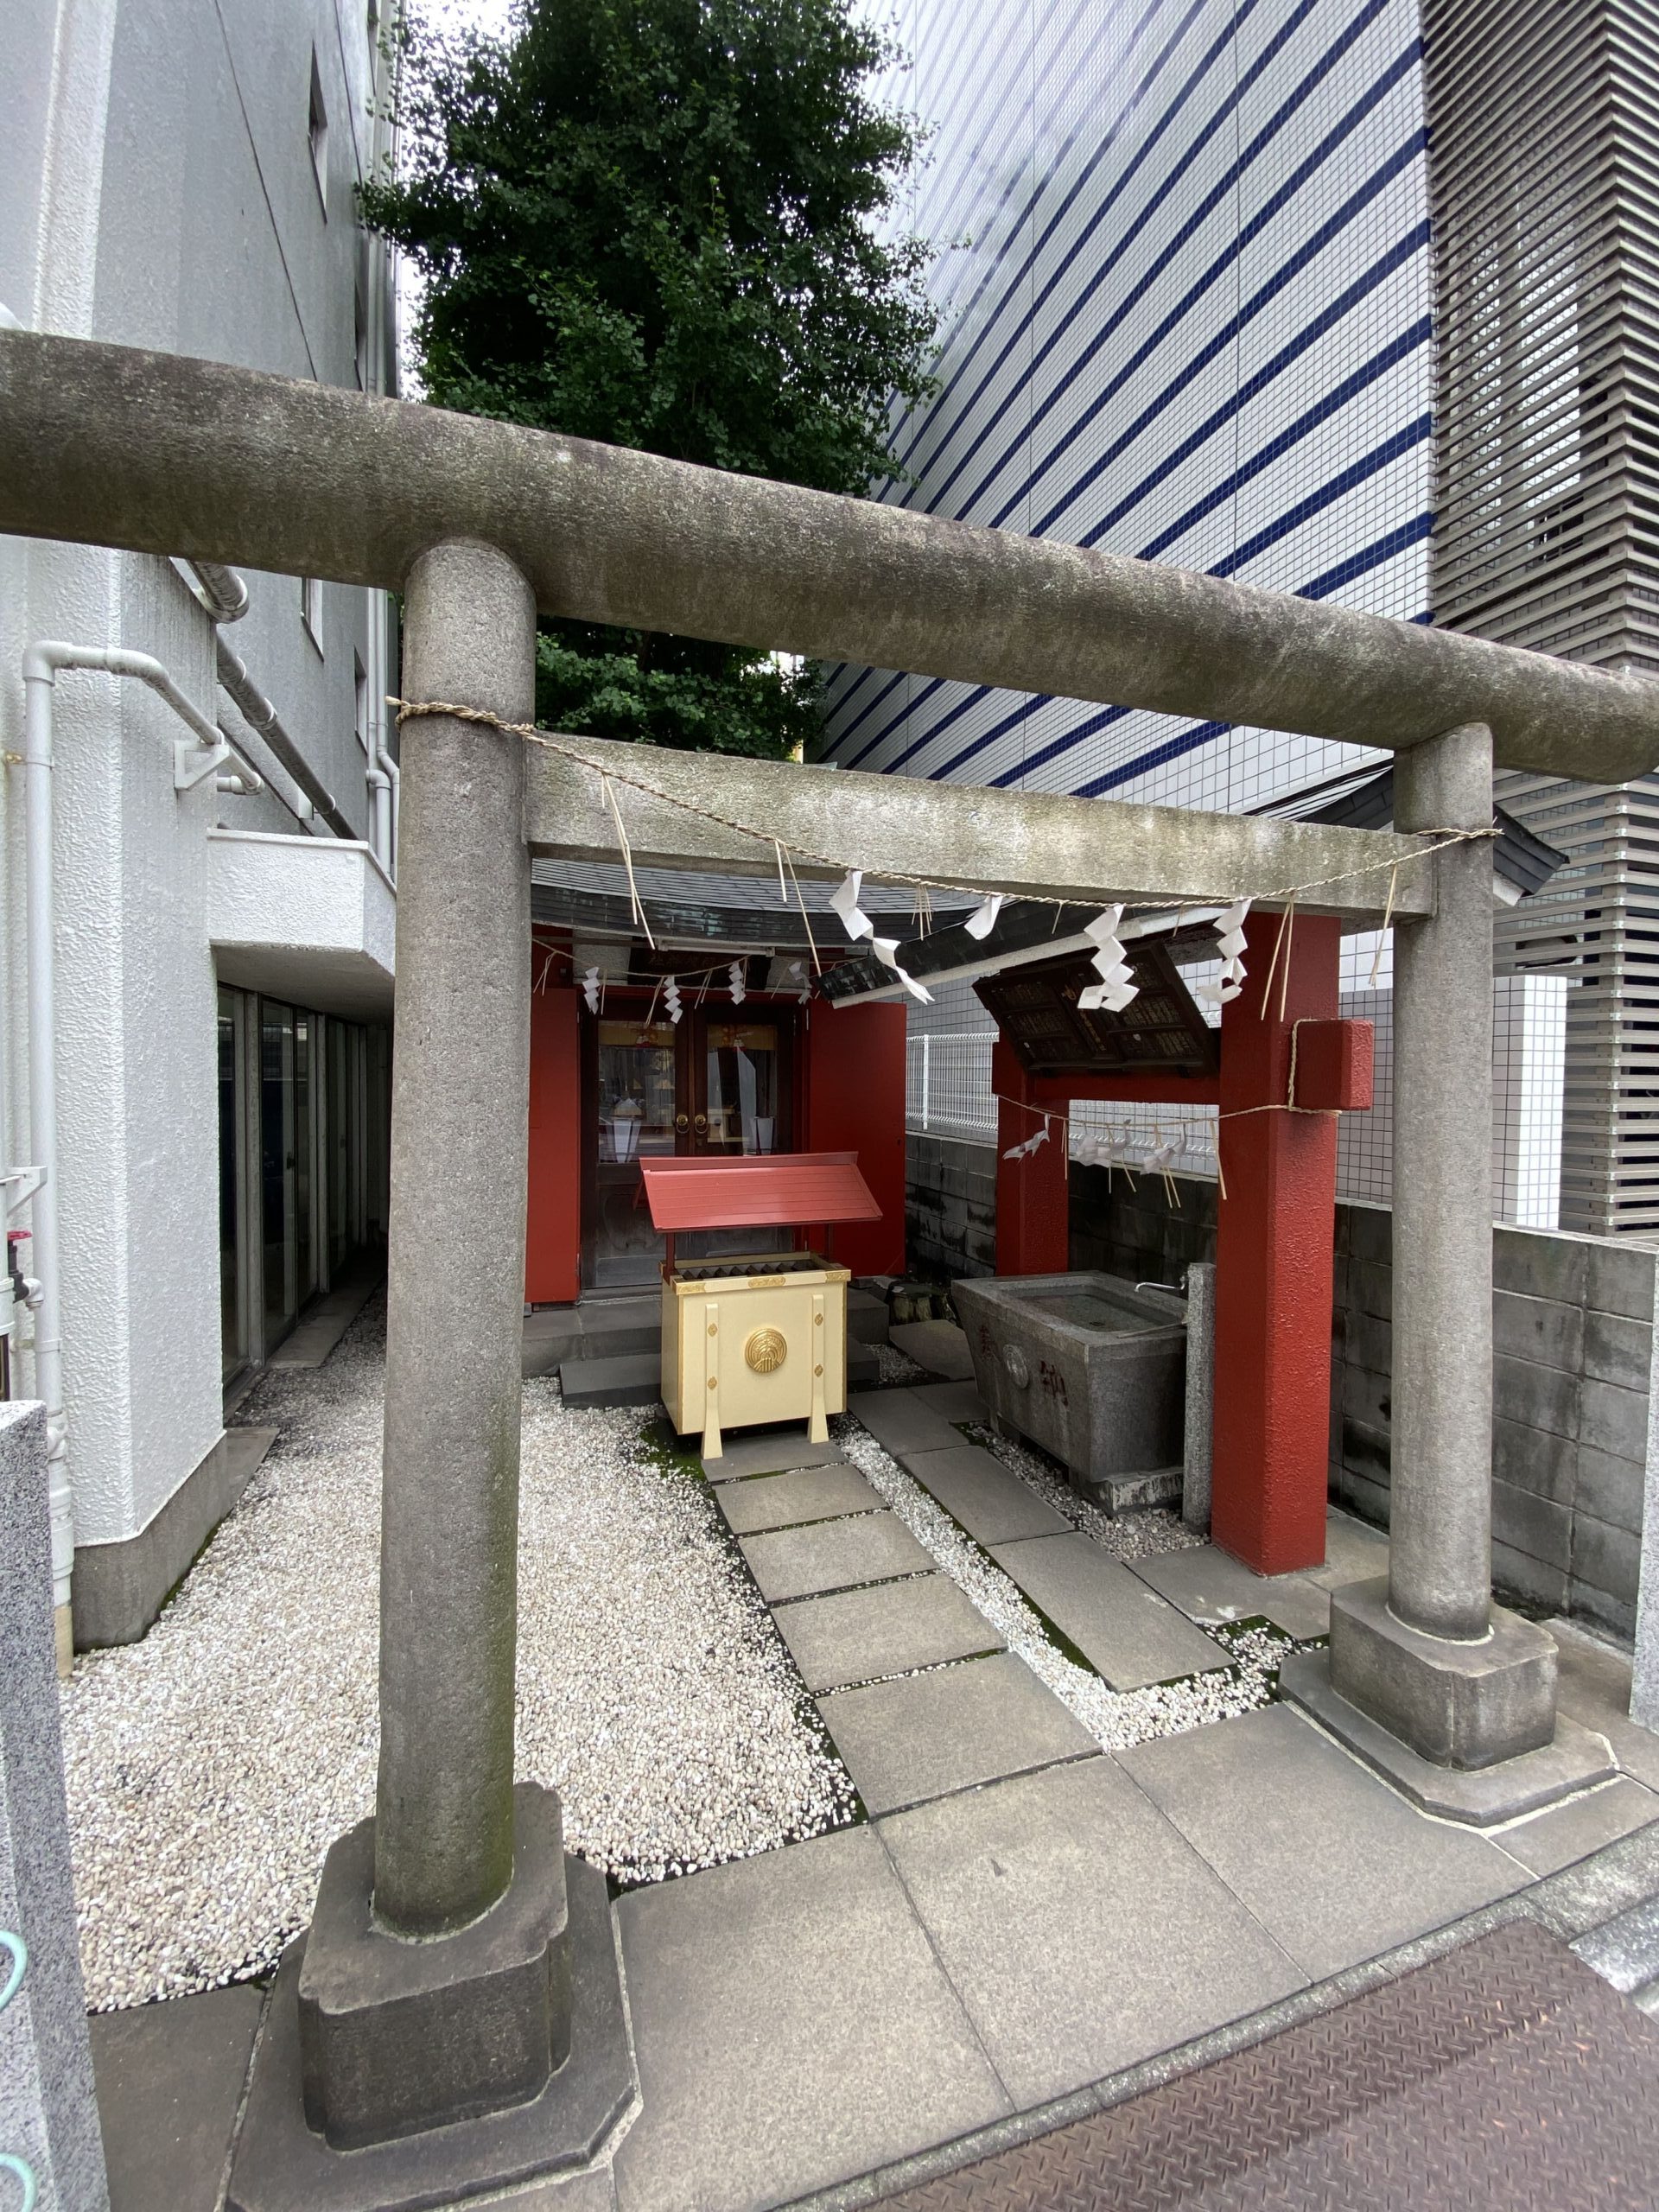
(783, 1189)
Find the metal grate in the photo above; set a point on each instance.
(1543, 118)
(1503, 2077)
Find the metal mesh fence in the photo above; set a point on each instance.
(950, 1095)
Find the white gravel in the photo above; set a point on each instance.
(210, 1766)
(1116, 1719)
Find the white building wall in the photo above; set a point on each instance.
(159, 191)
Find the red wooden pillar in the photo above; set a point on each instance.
(1274, 1265)
(553, 1223)
(853, 1070)
(1031, 1196)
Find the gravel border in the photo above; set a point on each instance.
(210, 1766)
(1117, 1720)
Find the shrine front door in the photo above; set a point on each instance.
(719, 1081)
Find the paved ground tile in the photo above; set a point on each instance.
(833, 1555)
(925, 1735)
(939, 1346)
(1131, 1634)
(1353, 1552)
(169, 2080)
(793, 2029)
(1593, 1686)
(1324, 1854)
(900, 1421)
(1083, 1933)
(1564, 1833)
(1209, 1585)
(770, 1452)
(991, 1502)
(951, 1402)
(858, 1635)
(784, 1501)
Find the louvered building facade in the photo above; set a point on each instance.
(1544, 199)
(1350, 298)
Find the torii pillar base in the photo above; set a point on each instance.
(366, 2043)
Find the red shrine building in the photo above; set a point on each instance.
(711, 1038)
(743, 1027)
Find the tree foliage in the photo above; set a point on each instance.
(656, 222)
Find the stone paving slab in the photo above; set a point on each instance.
(770, 1452)
(1326, 1855)
(1081, 1932)
(1624, 1950)
(1207, 1584)
(939, 1346)
(1127, 1631)
(899, 1421)
(785, 1501)
(892, 1629)
(794, 2028)
(832, 1555)
(1353, 1552)
(951, 1402)
(1564, 1833)
(1593, 1688)
(169, 2080)
(924, 1736)
(990, 1502)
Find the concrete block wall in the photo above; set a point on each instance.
(1573, 1336)
(1575, 1333)
(950, 1206)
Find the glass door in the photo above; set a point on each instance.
(741, 1090)
(638, 1096)
(277, 1163)
(739, 1085)
(232, 1173)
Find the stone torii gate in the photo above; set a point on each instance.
(456, 2023)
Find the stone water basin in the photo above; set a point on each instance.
(1090, 1367)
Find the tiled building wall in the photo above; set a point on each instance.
(1573, 1324)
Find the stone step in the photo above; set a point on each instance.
(608, 1329)
(634, 1379)
(1624, 1950)
(866, 1318)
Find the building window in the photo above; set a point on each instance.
(361, 703)
(319, 132)
(311, 609)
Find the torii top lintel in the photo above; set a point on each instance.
(160, 453)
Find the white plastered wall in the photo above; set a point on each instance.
(158, 191)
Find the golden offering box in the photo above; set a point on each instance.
(762, 1336)
(759, 1337)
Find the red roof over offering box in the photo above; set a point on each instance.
(783, 1189)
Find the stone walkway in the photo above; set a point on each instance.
(1025, 1922)
(1023, 1916)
